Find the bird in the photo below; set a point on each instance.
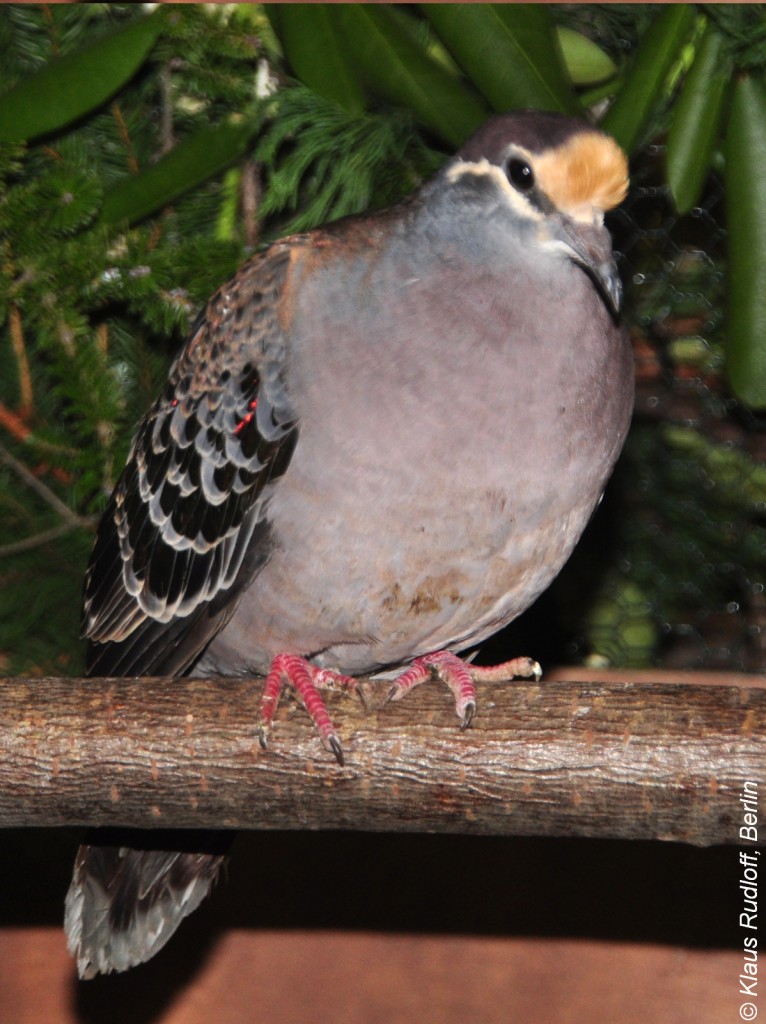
(379, 444)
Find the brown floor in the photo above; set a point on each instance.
(332, 977)
(362, 928)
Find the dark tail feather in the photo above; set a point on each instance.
(131, 890)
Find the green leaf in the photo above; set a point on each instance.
(73, 85)
(642, 89)
(509, 51)
(697, 119)
(313, 45)
(396, 69)
(746, 239)
(585, 62)
(193, 161)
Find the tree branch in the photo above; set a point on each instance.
(632, 760)
(40, 488)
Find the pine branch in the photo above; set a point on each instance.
(71, 518)
(26, 396)
(13, 423)
(45, 537)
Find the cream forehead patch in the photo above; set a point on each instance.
(589, 171)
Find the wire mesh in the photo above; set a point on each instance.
(685, 583)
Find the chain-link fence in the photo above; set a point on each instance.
(671, 572)
(683, 583)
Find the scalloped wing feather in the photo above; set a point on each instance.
(185, 529)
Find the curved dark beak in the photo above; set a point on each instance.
(590, 247)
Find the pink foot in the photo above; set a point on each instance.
(305, 679)
(461, 676)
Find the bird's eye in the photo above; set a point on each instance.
(520, 175)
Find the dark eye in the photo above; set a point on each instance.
(520, 175)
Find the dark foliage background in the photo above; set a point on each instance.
(124, 203)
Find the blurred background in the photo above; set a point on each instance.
(145, 150)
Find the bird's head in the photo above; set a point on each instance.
(556, 177)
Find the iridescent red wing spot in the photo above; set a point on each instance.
(248, 417)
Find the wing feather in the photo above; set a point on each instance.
(186, 529)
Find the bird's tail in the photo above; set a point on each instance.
(131, 890)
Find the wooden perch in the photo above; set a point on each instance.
(631, 760)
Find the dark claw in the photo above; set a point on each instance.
(390, 695)
(334, 744)
(263, 737)
(470, 711)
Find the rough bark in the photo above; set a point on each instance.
(632, 760)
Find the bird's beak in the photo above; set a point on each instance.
(590, 247)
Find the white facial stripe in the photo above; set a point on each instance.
(583, 214)
(586, 214)
(484, 169)
(558, 245)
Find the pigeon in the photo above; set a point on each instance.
(379, 444)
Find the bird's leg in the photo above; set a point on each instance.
(460, 677)
(451, 670)
(305, 679)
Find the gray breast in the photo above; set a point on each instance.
(453, 443)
